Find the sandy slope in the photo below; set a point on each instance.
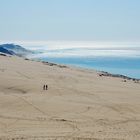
(79, 104)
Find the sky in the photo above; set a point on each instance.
(70, 20)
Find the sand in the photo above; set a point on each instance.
(78, 105)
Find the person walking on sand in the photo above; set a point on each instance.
(44, 87)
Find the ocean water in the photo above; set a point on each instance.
(116, 58)
(115, 65)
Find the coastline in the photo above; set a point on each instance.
(104, 73)
(123, 66)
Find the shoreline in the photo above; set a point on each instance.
(114, 67)
(104, 73)
(101, 73)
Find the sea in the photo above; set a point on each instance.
(119, 59)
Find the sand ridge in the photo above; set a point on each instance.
(78, 105)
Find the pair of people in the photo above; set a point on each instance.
(45, 87)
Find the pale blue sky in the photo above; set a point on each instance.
(111, 20)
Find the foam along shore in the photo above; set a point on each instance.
(79, 104)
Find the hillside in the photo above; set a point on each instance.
(5, 51)
(13, 49)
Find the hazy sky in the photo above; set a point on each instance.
(98, 20)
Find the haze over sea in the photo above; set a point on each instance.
(114, 57)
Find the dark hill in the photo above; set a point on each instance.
(14, 49)
(3, 50)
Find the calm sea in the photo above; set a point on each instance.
(115, 65)
(125, 61)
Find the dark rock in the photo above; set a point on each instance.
(118, 76)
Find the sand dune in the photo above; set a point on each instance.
(78, 105)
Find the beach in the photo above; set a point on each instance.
(116, 58)
(79, 104)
